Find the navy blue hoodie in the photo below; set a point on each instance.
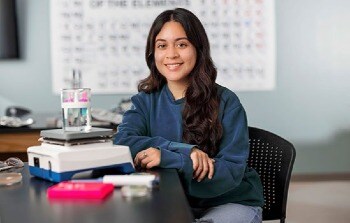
(155, 120)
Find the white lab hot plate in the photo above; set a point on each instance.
(61, 162)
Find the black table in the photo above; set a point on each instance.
(28, 202)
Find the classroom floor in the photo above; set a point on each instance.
(321, 202)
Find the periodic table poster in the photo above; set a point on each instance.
(105, 41)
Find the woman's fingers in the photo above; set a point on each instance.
(199, 169)
(204, 171)
(195, 160)
(136, 160)
(147, 158)
(145, 161)
(203, 165)
(211, 168)
(151, 164)
(140, 156)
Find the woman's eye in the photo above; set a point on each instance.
(181, 45)
(160, 46)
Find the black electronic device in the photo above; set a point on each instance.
(16, 111)
(8, 30)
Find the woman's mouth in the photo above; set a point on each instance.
(173, 66)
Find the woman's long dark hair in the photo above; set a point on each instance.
(200, 115)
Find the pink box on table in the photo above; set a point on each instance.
(80, 190)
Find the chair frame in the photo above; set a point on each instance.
(276, 144)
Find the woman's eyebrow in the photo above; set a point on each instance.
(177, 39)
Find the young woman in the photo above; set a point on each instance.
(182, 119)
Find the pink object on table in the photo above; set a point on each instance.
(80, 190)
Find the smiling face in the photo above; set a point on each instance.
(174, 54)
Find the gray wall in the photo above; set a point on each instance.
(310, 105)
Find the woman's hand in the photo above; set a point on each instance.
(203, 165)
(147, 158)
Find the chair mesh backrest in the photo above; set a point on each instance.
(273, 158)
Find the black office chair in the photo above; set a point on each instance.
(273, 158)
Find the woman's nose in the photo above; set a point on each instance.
(172, 53)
